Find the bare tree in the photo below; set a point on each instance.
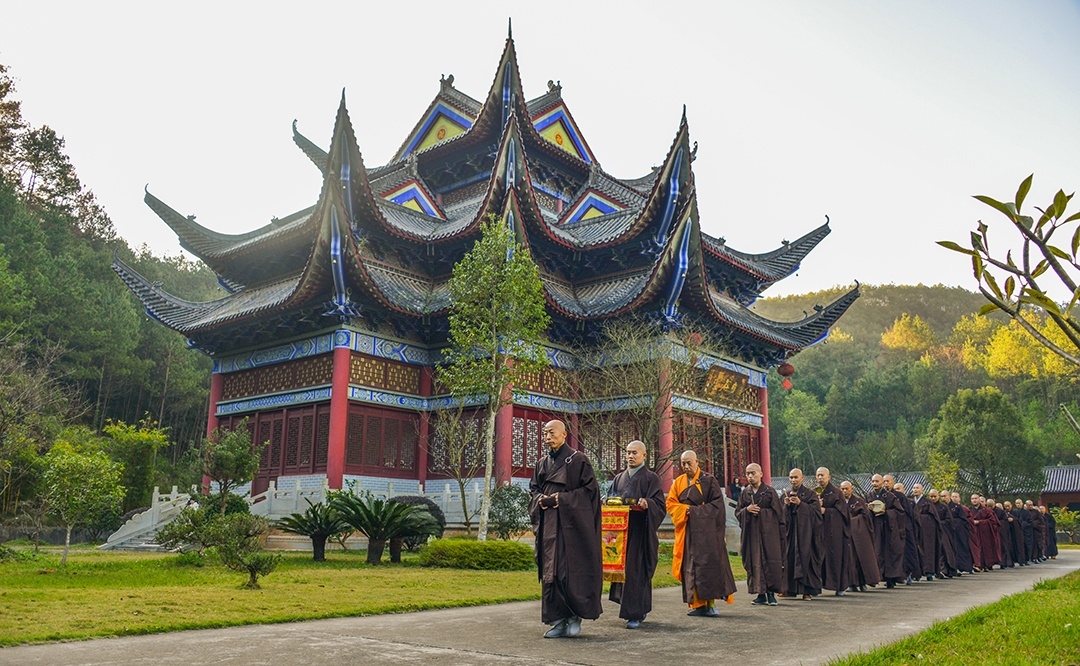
(457, 450)
(1021, 287)
(634, 371)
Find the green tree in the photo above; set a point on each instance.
(136, 446)
(510, 512)
(804, 418)
(1024, 286)
(229, 459)
(496, 323)
(81, 488)
(237, 540)
(983, 432)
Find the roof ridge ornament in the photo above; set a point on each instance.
(446, 82)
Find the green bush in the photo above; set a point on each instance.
(488, 555)
(233, 503)
(509, 516)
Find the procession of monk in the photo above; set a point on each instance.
(794, 544)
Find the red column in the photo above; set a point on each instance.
(339, 417)
(425, 429)
(665, 431)
(765, 462)
(216, 383)
(504, 442)
(574, 438)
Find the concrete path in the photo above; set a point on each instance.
(511, 633)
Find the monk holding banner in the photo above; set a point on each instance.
(696, 504)
(639, 488)
(762, 519)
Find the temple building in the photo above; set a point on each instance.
(336, 315)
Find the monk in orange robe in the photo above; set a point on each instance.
(700, 561)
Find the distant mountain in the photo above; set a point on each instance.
(879, 306)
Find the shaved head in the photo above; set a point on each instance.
(688, 463)
(823, 476)
(795, 476)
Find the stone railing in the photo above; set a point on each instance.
(163, 510)
(278, 502)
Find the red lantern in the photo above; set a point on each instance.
(786, 370)
(786, 384)
(694, 339)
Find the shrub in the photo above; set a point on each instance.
(487, 555)
(381, 521)
(1067, 522)
(192, 529)
(414, 542)
(319, 523)
(11, 555)
(233, 503)
(236, 540)
(509, 516)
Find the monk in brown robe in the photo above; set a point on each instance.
(888, 531)
(699, 556)
(763, 522)
(929, 523)
(986, 525)
(1016, 534)
(1004, 534)
(962, 530)
(863, 555)
(565, 511)
(947, 560)
(639, 487)
(1038, 526)
(912, 558)
(804, 546)
(837, 567)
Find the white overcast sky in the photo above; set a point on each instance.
(886, 116)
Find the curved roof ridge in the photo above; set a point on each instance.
(776, 264)
(317, 155)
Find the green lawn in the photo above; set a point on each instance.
(112, 594)
(1041, 626)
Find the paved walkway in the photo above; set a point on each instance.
(511, 633)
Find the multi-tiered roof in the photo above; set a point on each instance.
(377, 248)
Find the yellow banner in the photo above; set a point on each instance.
(614, 522)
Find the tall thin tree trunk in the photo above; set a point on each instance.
(489, 465)
(67, 546)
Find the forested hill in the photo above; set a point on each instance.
(879, 306)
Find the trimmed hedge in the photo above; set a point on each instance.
(489, 555)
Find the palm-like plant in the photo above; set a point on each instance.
(319, 523)
(380, 520)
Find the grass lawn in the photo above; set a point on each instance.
(1041, 626)
(113, 594)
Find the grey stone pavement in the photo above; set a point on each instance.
(795, 632)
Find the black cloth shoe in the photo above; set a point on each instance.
(760, 600)
(700, 611)
(558, 630)
(772, 599)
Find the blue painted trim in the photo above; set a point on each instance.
(550, 192)
(717, 411)
(550, 120)
(591, 201)
(484, 175)
(414, 194)
(443, 110)
(274, 401)
(670, 310)
(670, 201)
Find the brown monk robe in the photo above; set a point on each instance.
(804, 547)
(929, 521)
(639, 487)
(838, 569)
(565, 511)
(863, 555)
(763, 523)
(1004, 534)
(699, 556)
(947, 560)
(1038, 527)
(888, 531)
(986, 527)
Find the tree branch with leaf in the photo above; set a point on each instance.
(1021, 287)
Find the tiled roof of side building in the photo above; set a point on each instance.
(793, 335)
(1062, 479)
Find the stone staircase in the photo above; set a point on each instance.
(140, 531)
